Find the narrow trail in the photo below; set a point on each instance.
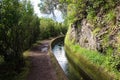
(41, 68)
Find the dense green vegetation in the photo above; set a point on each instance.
(19, 29)
(102, 15)
(91, 61)
(50, 28)
(77, 9)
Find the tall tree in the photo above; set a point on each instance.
(49, 6)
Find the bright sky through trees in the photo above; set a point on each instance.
(37, 11)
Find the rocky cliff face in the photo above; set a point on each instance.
(102, 35)
(99, 35)
(83, 35)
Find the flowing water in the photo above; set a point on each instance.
(71, 71)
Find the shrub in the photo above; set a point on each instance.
(50, 28)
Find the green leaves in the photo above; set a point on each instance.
(111, 16)
(50, 28)
(19, 29)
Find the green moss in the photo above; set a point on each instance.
(96, 30)
(101, 14)
(91, 15)
(92, 62)
(109, 51)
(110, 16)
(94, 56)
(105, 41)
(97, 73)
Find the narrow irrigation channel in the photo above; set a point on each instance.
(70, 69)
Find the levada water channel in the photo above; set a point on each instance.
(70, 69)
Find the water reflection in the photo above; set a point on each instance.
(71, 70)
(59, 53)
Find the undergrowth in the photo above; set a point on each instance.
(7, 72)
(105, 61)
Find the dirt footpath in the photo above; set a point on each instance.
(41, 68)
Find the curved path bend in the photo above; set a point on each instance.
(41, 68)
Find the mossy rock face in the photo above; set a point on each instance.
(102, 36)
(98, 30)
(93, 63)
(83, 35)
(94, 71)
(98, 26)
